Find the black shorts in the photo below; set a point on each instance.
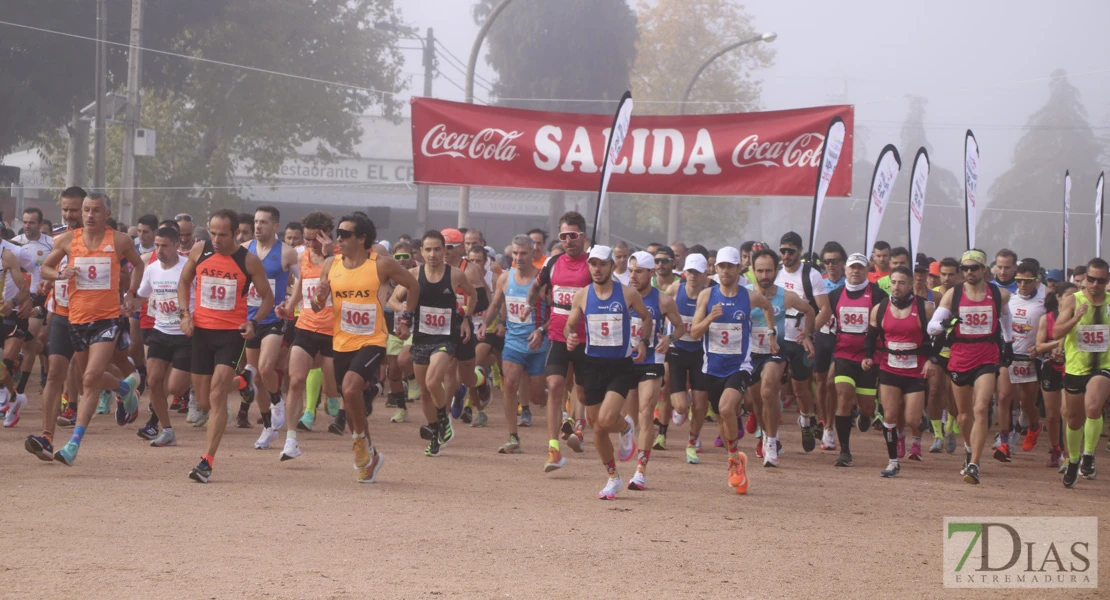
(145, 334)
(13, 326)
(759, 361)
(686, 369)
(942, 362)
(908, 385)
(497, 342)
(290, 333)
(966, 378)
(716, 386)
(801, 368)
(86, 334)
(174, 349)
(851, 372)
(265, 330)
(57, 337)
(214, 347)
(604, 375)
(314, 343)
(1077, 384)
(422, 353)
(823, 346)
(366, 362)
(1051, 379)
(465, 351)
(559, 360)
(648, 372)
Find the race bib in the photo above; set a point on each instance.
(518, 309)
(901, 361)
(853, 319)
(761, 340)
(253, 299)
(358, 319)
(726, 338)
(605, 329)
(93, 272)
(976, 320)
(476, 322)
(435, 321)
(1093, 338)
(218, 293)
(687, 325)
(308, 292)
(61, 292)
(563, 295)
(1022, 371)
(163, 305)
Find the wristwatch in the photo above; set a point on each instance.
(181, 314)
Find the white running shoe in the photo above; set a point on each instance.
(828, 440)
(11, 418)
(611, 488)
(770, 452)
(202, 418)
(194, 412)
(627, 441)
(277, 415)
(166, 438)
(269, 434)
(4, 397)
(637, 482)
(677, 418)
(292, 449)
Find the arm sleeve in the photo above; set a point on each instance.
(940, 315)
(1006, 324)
(870, 342)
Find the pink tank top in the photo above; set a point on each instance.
(568, 275)
(974, 345)
(853, 317)
(904, 335)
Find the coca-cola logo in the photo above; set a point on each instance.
(488, 144)
(803, 151)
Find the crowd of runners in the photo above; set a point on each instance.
(322, 314)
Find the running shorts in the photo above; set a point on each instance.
(604, 375)
(533, 362)
(366, 362)
(315, 344)
(851, 372)
(86, 334)
(648, 372)
(213, 347)
(801, 368)
(908, 385)
(290, 333)
(57, 337)
(1051, 379)
(422, 353)
(716, 386)
(393, 345)
(686, 369)
(1077, 384)
(466, 350)
(967, 378)
(497, 342)
(175, 349)
(823, 346)
(559, 360)
(759, 361)
(265, 330)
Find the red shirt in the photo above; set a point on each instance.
(565, 276)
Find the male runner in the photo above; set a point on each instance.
(939, 398)
(539, 244)
(355, 282)
(294, 236)
(399, 374)
(9, 265)
(880, 262)
(899, 257)
(94, 254)
(1019, 381)
(1051, 369)
(35, 248)
(685, 359)
(981, 325)
(833, 256)
(465, 356)
(606, 307)
(621, 253)
(245, 233)
(222, 271)
(144, 245)
(1005, 268)
(664, 268)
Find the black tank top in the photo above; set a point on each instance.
(436, 320)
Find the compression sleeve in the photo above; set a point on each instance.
(870, 342)
(941, 315)
(1006, 322)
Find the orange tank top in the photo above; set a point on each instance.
(359, 317)
(310, 320)
(94, 295)
(221, 289)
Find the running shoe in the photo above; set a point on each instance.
(166, 438)
(759, 447)
(555, 460)
(40, 446)
(738, 473)
(184, 407)
(660, 442)
(971, 474)
(1087, 465)
(808, 442)
(177, 403)
(11, 418)
(862, 422)
(338, 425)
(1053, 458)
(637, 483)
(1002, 453)
(576, 442)
(458, 402)
(915, 451)
(433, 447)
(480, 419)
(194, 412)
(510, 447)
(148, 431)
(269, 434)
(130, 401)
(1030, 442)
(901, 446)
(567, 428)
(4, 397)
(202, 472)
(627, 437)
(277, 415)
(369, 473)
(844, 460)
(937, 447)
(467, 414)
(525, 418)
(68, 417)
(611, 488)
(391, 400)
(202, 418)
(692, 457)
(770, 454)
(68, 454)
(446, 432)
(951, 439)
(333, 407)
(677, 419)
(485, 394)
(249, 390)
(752, 423)
(401, 416)
(360, 446)
(1071, 474)
(877, 423)
(291, 450)
(495, 375)
(828, 440)
(104, 404)
(892, 469)
(307, 421)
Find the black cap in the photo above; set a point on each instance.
(922, 265)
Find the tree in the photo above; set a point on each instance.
(1058, 137)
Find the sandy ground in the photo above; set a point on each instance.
(126, 522)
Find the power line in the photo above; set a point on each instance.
(463, 72)
(461, 63)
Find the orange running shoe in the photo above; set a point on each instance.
(738, 473)
(1002, 453)
(555, 460)
(1030, 441)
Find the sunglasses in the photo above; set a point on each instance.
(662, 261)
(451, 246)
(970, 268)
(1025, 279)
(183, 217)
(569, 236)
(344, 233)
(785, 251)
(1098, 280)
(833, 261)
(402, 256)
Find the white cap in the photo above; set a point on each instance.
(388, 247)
(643, 260)
(696, 262)
(728, 254)
(856, 259)
(602, 252)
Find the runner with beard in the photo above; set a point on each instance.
(1019, 380)
(833, 257)
(686, 357)
(950, 277)
(461, 370)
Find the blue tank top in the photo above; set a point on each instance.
(761, 338)
(521, 321)
(687, 306)
(279, 282)
(651, 300)
(726, 343)
(608, 324)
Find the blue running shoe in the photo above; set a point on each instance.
(148, 432)
(104, 403)
(68, 454)
(131, 401)
(40, 446)
(202, 472)
(458, 402)
(121, 413)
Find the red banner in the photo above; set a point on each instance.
(775, 153)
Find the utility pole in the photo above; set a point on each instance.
(134, 73)
(77, 152)
(422, 190)
(101, 67)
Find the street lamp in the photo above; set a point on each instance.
(770, 36)
(464, 191)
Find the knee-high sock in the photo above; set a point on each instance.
(891, 434)
(313, 384)
(844, 433)
(1075, 444)
(1092, 429)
